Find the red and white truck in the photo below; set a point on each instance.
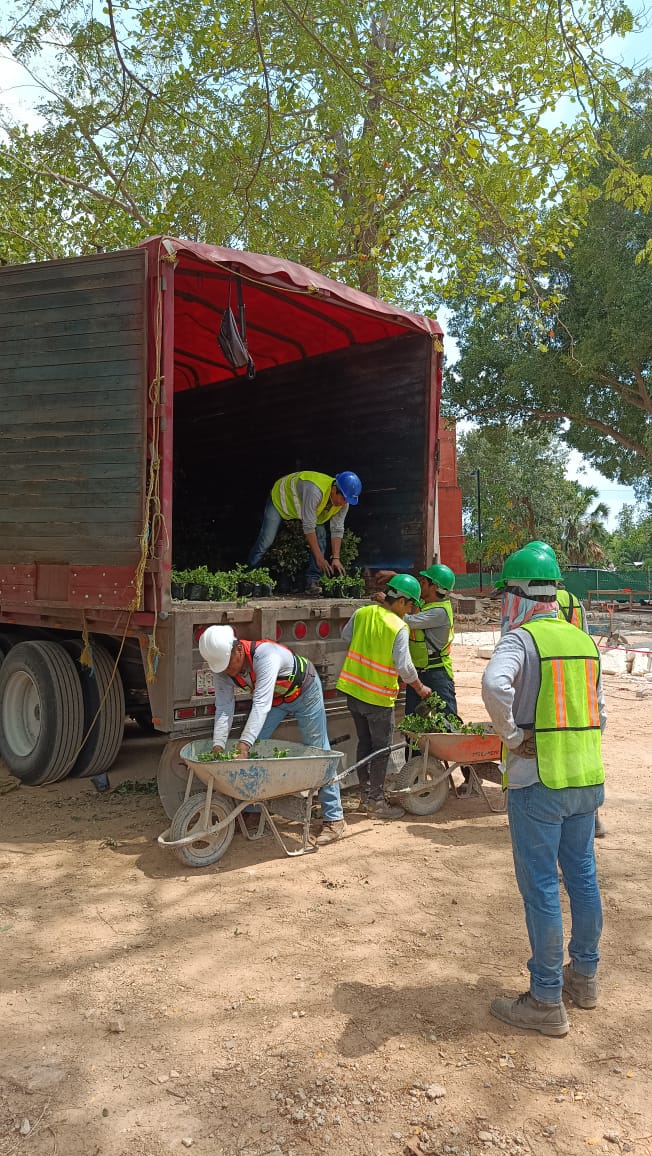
(123, 428)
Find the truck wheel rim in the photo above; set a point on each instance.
(21, 714)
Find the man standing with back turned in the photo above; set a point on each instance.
(543, 692)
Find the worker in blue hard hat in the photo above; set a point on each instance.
(314, 499)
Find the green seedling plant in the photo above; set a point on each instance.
(234, 754)
(434, 718)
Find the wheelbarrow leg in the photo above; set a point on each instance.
(307, 848)
(260, 829)
(502, 806)
(472, 786)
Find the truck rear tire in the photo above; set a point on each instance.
(172, 777)
(5, 647)
(102, 691)
(41, 712)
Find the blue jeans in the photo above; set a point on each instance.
(270, 527)
(549, 827)
(308, 710)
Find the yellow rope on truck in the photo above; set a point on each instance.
(154, 523)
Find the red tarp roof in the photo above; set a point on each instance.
(291, 312)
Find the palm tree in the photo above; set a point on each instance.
(584, 532)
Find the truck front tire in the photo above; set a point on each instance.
(41, 712)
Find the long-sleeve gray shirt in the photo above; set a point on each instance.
(270, 662)
(400, 651)
(310, 496)
(435, 625)
(510, 686)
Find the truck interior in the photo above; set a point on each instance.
(342, 382)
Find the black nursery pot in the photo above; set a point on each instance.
(258, 590)
(245, 589)
(284, 585)
(196, 593)
(335, 591)
(267, 589)
(178, 590)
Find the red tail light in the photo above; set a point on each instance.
(324, 629)
(300, 630)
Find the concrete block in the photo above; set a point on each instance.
(613, 661)
(641, 662)
(484, 652)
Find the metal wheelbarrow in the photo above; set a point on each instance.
(204, 825)
(422, 785)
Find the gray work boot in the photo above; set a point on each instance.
(583, 989)
(600, 829)
(331, 831)
(527, 1012)
(381, 809)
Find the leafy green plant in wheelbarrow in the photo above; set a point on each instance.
(437, 743)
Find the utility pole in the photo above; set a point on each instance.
(476, 473)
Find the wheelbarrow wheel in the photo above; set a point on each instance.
(432, 796)
(190, 816)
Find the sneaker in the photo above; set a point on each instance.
(527, 1012)
(313, 590)
(583, 989)
(331, 832)
(381, 809)
(600, 829)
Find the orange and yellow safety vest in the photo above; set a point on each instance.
(368, 672)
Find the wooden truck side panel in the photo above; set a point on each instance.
(73, 400)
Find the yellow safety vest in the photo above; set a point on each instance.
(422, 659)
(567, 717)
(571, 608)
(368, 672)
(285, 495)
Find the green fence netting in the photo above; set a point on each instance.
(580, 582)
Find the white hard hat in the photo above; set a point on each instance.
(215, 646)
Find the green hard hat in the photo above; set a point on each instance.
(530, 564)
(407, 585)
(441, 575)
(543, 546)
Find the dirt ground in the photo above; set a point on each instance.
(335, 1003)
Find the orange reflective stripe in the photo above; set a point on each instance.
(592, 688)
(559, 691)
(372, 665)
(346, 676)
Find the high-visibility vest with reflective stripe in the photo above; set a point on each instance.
(424, 659)
(287, 687)
(369, 672)
(285, 495)
(571, 608)
(566, 718)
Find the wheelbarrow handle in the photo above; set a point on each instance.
(361, 762)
